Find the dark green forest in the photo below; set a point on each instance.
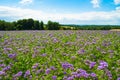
(31, 24)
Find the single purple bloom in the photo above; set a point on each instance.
(110, 51)
(118, 78)
(47, 71)
(92, 64)
(54, 77)
(102, 65)
(52, 68)
(109, 74)
(55, 40)
(38, 71)
(43, 55)
(78, 75)
(65, 72)
(81, 71)
(18, 74)
(2, 73)
(6, 68)
(74, 73)
(12, 56)
(27, 73)
(82, 51)
(86, 75)
(66, 65)
(93, 75)
(2, 65)
(70, 78)
(7, 49)
(87, 62)
(35, 66)
(30, 77)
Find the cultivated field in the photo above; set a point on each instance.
(59, 55)
(115, 30)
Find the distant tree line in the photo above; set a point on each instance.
(30, 24)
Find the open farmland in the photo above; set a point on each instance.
(59, 55)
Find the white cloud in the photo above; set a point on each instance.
(24, 2)
(118, 8)
(117, 2)
(96, 3)
(112, 17)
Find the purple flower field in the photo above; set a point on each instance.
(59, 55)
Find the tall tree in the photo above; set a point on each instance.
(30, 24)
(53, 25)
(41, 25)
(36, 25)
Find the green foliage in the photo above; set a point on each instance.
(24, 24)
(41, 25)
(53, 25)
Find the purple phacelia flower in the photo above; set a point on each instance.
(93, 75)
(30, 77)
(18, 74)
(12, 56)
(27, 73)
(74, 73)
(67, 65)
(110, 51)
(70, 78)
(55, 40)
(87, 62)
(86, 75)
(118, 78)
(35, 66)
(38, 71)
(81, 71)
(6, 68)
(43, 55)
(102, 65)
(47, 71)
(52, 68)
(2, 65)
(82, 51)
(2, 73)
(92, 64)
(108, 73)
(7, 49)
(54, 77)
(78, 75)
(64, 72)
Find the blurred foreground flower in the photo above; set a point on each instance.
(18, 74)
(102, 65)
(54, 77)
(2, 73)
(27, 73)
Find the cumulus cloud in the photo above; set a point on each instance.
(96, 3)
(117, 2)
(112, 17)
(24, 2)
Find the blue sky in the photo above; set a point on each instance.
(63, 11)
